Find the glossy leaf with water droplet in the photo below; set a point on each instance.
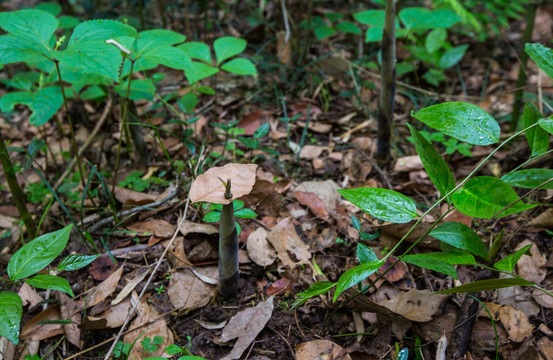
(543, 57)
(38, 253)
(529, 178)
(355, 275)
(462, 237)
(50, 282)
(383, 204)
(11, 310)
(462, 121)
(546, 124)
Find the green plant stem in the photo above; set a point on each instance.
(71, 129)
(17, 194)
(228, 250)
(521, 80)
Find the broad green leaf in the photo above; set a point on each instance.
(227, 47)
(149, 40)
(38, 253)
(11, 310)
(197, 51)
(349, 28)
(542, 56)
(100, 30)
(141, 89)
(529, 178)
(213, 216)
(50, 282)
(365, 254)
(374, 33)
(452, 56)
(371, 17)
(43, 103)
(538, 139)
(434, 164)
(20, 46)
(441, 261)
(245, 214)
(355, 275)
(322, 32)
(169, 56)
(93, 92)
(490, 284)
(240, 66)
(92, 57)
(318, 288)
(50, 7)
(34, 23)
(485, 196)
(75, 262)
(462, 237)
(419, 18)
(206, 90)
(199, 71)
(262, 131)
(68, 22)
(435, 39)
(383, 204)
(188, 101)
(508, 262)
(546, 124)
(462, 121)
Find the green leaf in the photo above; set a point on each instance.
(245, 214)
(355, 275)
(461, 236)
(538, 140)
(318, 288)
(100, 30)
(150, 40)
(365, 254)
(50, 282)
(383, 204)
(50, 7)
(508, 262)
(373, 34)
(205, 90)
(322, 32)
(371, 17)
(197, 51)
(68, 22)
(189, 101)
(76, 261)
(240, 66)
(419, 18)
(452, 56)
(261, 131)
(169, 56)
(485, 196)
(542, 56)
(435, 40)
(38, 253)
(141, 89)
(441, 261)
(546, 124)
(21, 46)
(490, 284)
(11, 310)
(43, 103)
(462, 121)
(93, 92)
(434, 164)
(349, 27)
(199, 71)
(529, 178)
(92, 57)
(213, 216)
(227, 47)
(34, 23)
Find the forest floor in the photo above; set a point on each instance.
(303, 231)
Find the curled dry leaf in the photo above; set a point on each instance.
(245, 326)
(320, 349)
(34, 329)
(259, 249)
(208, 186)
(284, 239)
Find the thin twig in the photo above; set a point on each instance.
(130, 314)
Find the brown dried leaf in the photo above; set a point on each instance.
(187, 291)
(284, 239)
(279, 287)
(408, 163)
(105, 289)
(252, 120)
(70, 309)
(116, 315)
(259, 249)
(283, 48)
(315, 203)
(176, 254)
(326, 190)
(158, 227)
(320, 349)
(531, 267)
(311, 152)
(29, 296)
(546, 347)
(189, 227)
(209, 188)
(416, 305)
(102, 267)
(514, 321)
(545, 219)
(33, 331)
(124, 195)
(245, 326)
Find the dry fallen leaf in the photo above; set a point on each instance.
(546, 347)
(105, 289)
(320, 349)
(188, 227)
(116, 315)
(102, 267)
(531, 267)
(284, 239)
(187, 291)
(416, 305)
(325, 190)
(34, 330)
(311, 152)
(70, 309)
(29, 296)
(253, 120)
(208, 186)
(245, 326)
(157, 227)
(314, 202)
(514, 321)
(408, 163)
(259, 249)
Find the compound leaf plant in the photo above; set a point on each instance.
(483, 197)
(27, 265)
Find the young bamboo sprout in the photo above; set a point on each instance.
(222, 185)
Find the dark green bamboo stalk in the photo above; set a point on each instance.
(521, 81)
(228, 250)
(15, 189)
(387, 85)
